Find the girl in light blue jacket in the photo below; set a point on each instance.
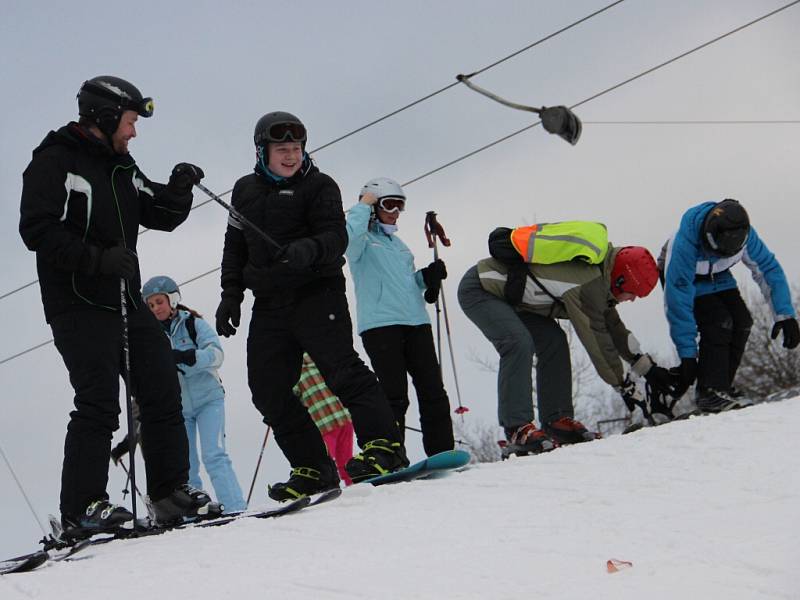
(198, 354)
(391, 315)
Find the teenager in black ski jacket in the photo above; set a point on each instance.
(300, 305)
(83, 201)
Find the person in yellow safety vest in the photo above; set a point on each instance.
(516, 305)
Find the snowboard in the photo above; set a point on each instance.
(438, 464)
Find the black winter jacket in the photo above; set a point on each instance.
(78, 198)
(307, 205)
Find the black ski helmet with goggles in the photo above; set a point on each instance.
(279, 127)
(103, 99)
(725, 228)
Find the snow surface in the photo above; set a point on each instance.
(705, 508)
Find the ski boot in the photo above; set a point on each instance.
(185, 503)
(99, 517)
(709, 400)
(741, 399)
(567, 430)
(377, 458)
(305, 481)
(523, 440)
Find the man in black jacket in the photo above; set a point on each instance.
(83, 201)
(300, 305)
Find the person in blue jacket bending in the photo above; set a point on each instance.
(391, 316)
(198, 354)
(701, 297)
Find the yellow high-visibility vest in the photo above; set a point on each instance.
(548, 243)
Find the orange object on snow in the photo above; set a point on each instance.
(613, 565)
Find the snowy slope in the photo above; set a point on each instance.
(706, 508)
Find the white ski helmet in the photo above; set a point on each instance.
(161, 284)
(382, 188)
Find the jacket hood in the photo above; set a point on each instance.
(73, 136)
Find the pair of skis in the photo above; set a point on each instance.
(57, 550)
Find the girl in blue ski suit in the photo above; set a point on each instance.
(701, 297)
(198, 354)
(391, 315)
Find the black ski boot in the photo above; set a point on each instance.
(99, 517)
(377, 458)
(524, 440)
(709, 400)
(184, 504)
(305, 481)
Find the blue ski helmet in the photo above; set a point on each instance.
(161, 284)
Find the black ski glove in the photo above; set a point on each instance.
(118, 261)
(661, 380)
(122, 448)
(433, 274)
(300, 254)
(185, 357)
(228, 315)
(431, 295)
(183, 177)
(685, 373)
(791, 332)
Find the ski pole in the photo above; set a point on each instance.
(126, 351)
(258, 464)
(22, 489)
(240, 217)
(128, 474)
(462, 442)
(434, 231)
(431, 233)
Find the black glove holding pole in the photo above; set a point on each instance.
(432, 275)
(183, 177)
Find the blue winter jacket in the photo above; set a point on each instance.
(691, 271)
(388, 287)
(200, 383)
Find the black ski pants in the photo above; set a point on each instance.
(90, 343)
(397, 351)
(317, 322)
(724, 324)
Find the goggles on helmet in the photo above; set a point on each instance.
(284, 132)
(392, 205)
(143, 107)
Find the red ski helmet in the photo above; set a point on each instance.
(634, 272)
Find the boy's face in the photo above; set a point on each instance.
(284, 158)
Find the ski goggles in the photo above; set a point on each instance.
(392, 205)
(285, 132)
(143, 107)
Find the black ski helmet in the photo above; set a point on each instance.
(725, 228)
(279, 127)
(103, 99)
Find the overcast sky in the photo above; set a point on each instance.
(213, 72)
